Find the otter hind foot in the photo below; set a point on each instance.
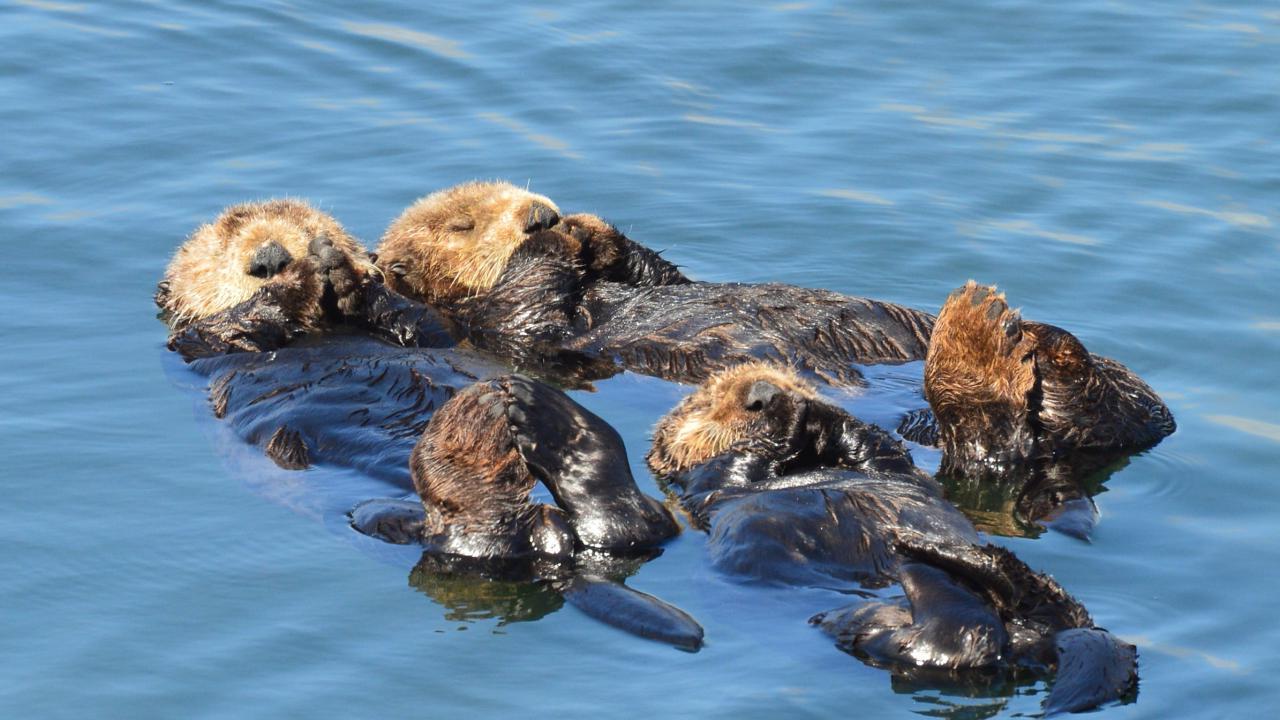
(635, 612)
(400, 522)
(942, 625)
(582, 461)
(980, 329)
(1094, 667)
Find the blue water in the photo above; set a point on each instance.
(1113, 166)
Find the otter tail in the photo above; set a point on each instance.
(1094, 667)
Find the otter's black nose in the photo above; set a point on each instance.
(540, 217)
(760, 395)
(269, 260)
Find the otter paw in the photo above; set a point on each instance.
(979, 316)
(602, 245)
(337, 272)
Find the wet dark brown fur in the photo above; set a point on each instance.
(1007, 391)
(479, 458)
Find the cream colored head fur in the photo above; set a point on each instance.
(210, 272)
(455, 243)
(715, 416)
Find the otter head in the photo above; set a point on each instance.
(756, 405)
(224, 262)
(455, 243)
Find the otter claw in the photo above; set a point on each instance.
(521, 389)
(319, 243)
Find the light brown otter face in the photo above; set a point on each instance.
(753, 401)
(224, 262)
(455, 243)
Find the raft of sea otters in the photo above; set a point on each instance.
(400, 364)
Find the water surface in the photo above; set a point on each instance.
(1112, 165)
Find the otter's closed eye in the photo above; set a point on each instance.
(398, 269)
(461, 224)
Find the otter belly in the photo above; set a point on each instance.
(345, 400)
(828, 526)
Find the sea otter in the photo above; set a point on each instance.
(523, 280)
(474, 469)
(1006, 391)
(1029, 422)
(263, 274)
(794, 490)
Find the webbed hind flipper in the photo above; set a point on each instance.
(583, 461)
(979, 378)
(943, 626)
(635, 612)
(1094, 667)
(1015, 590)
(395, 521)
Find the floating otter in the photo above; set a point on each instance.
(524, 281)
(424, 420)
(1006, 391)
(793, 490)
(474, 470)
(1029, 422)
(263, 274)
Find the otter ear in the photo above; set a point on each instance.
(461, 223)
(232, 218)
